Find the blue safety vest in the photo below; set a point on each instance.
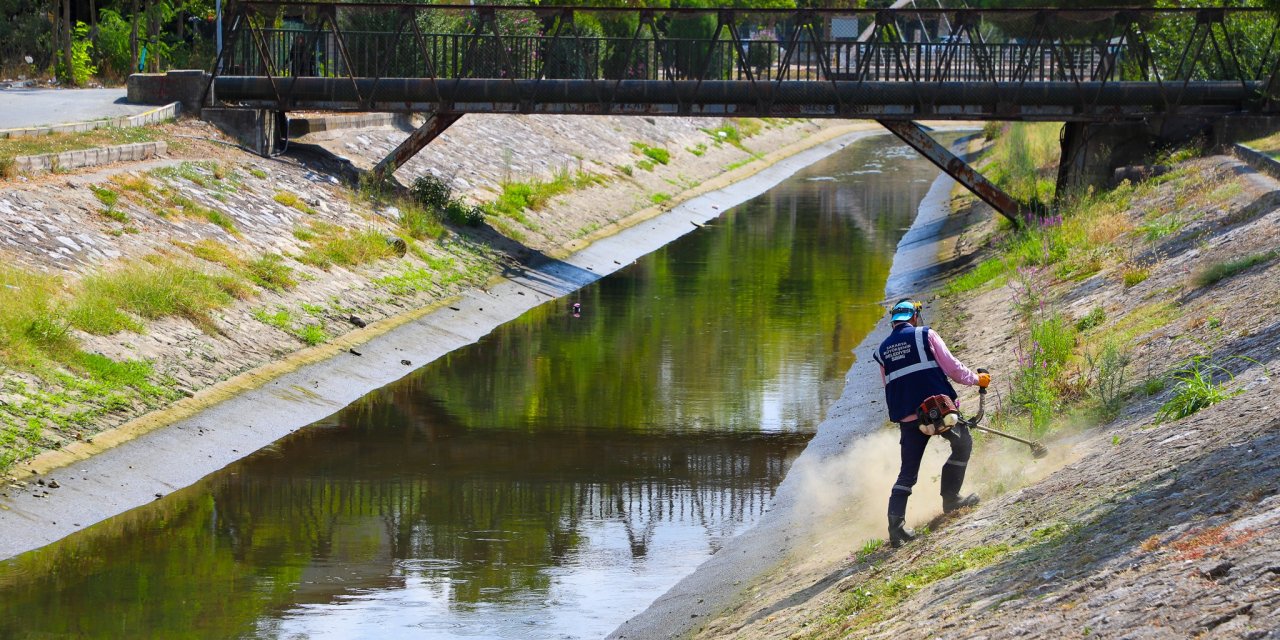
(911, 373)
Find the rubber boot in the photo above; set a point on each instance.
(898, 534)
(953, 502)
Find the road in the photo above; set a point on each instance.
(36, 107)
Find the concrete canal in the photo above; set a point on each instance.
(549, 481)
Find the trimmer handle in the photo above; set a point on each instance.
(982, 391)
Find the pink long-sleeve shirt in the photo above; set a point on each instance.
(949, 364)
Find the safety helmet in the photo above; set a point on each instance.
(904, 310)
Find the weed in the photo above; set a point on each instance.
(105, 196)
(430, 191)
(1108, 367)
(658, 155)
(697, 149)
(280, 318)
(645, 165)
(332, 245)
(1094, 318)
(408, 281)
(1194, 388)
(270, 272)
(258, 173)
(1222, 270)
(463, 214)
(1134, 275)
(659, 198)
(626, 170)
(312, 334)
(32, 322)
(291, 199)
(505, 228)
(418, 222)
(152, 288)
(1161, 227)
(984, 272)
(869, 547)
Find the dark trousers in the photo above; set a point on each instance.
(913, 444)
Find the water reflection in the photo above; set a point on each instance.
(547, 482)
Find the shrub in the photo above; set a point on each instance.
(82, 67)
(430, 191)
(1108, 367)
(462, 214)
(1222, 270)
(1094, 318)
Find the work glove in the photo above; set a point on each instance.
(984, 379)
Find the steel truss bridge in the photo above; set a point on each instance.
(895, 66)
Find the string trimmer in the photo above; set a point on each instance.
(944, 415)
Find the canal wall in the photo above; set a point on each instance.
(238, 404)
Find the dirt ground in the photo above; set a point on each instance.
(1132, 527)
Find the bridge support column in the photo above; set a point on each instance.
(434, 126)
(1091, 152)
(912, 134)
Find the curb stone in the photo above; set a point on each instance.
(154, 116)
(90, 157)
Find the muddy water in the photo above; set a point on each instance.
(547, 482)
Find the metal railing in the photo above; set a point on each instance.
(1190, 55)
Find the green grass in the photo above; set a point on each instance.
(33, 325)
(659, 198)
(158, 287)
(282, 319)
(312, 334)
(1222, 270)
(418, 222)
(333, 245)
(258, 173)
(291, 199)
(1161, 227)
(409, 280)
(1023, 161)
(61, 142)
(993, 269)
(270, 272)
(869, 603)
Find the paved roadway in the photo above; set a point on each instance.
(36, 107)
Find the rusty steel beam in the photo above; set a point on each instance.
(918, 139)
(842, 99)
(434, 126)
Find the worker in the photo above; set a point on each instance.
(914, 365)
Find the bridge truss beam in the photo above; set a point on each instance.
(917, 138)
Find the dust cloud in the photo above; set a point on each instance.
(848, 493)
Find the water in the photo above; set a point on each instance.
(547, 482)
